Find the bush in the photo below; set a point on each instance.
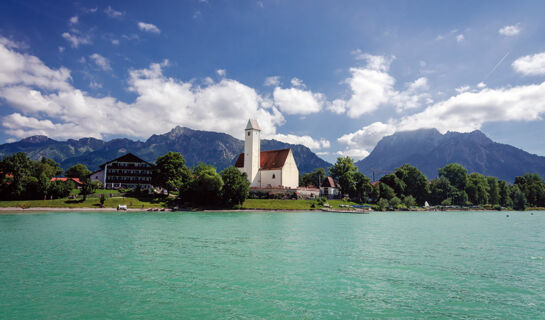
(409, 201)
(395, 202)
(60, 189)
(382, 204)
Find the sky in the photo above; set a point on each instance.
(336, 76)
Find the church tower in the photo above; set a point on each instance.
(252, 152)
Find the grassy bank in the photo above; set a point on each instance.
(274, 204)
(131, 202)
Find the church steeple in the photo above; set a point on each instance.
(252, 152)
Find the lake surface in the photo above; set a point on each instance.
(272, 265)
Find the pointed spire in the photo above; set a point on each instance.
(252, 125)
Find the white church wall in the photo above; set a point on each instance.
(290, 173)
(271, 178)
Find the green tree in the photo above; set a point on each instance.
(441, 189)
(395, 202)
(362, 188)
(344, 172)
(19, 166)
(519, 199)
(89, 188)
(409, 201)
(170, 172)
(505, 195)
(456, 174)
(48, 167)
(477, 189)
(416, 183)
(395, 183)
(206, 185)
(78, 171)
(383, 204)
(60, 189)
(533, 187)
(493, 190)
(236, 187)
(385, 191)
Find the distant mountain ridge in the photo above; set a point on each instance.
(218, 149)
(429, 150)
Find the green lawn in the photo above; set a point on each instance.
(97, 192)
(89, 203)
(273, 204)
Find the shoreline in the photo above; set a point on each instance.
(21, 211)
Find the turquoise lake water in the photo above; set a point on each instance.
(272, 265)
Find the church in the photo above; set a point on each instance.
(266, 169)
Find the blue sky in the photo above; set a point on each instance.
(336, 76)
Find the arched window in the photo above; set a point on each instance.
(248, 133)
(274, 176)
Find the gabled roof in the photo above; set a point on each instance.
(129, 157)
(329, 183)
(269, 160)
(76, 180)
(252, 124)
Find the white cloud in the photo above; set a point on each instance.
(75, 39)
(510, 31)
(470, 110)
(221, 72)
(372, 87)
(337, 106)
(148, 27)
(74, 20)
(460, 38)
(298, 101)
(298, 83)
(100, 61)
(110, 12)
(273, 81)
(115, 42)
(44, 102)
(530, 65)
(367, 137)
(481, 85)
(61, 49)
(304, 140)
(462, 89)
(94, 85)
(356, 154)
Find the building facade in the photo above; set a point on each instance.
(266, 169)
(127, 171)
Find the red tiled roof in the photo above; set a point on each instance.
(375, 183)
(76, 180)
(329, 183)
(269, 160)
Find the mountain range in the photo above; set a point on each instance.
(429, 150)
(217, 149)
(426, 149)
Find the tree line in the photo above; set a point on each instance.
(24, 179)
(407, 186)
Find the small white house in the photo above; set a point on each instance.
(330, 189)
(266, 169)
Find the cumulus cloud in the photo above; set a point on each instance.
(221, 72)
(100, 61)
(304, 140)
(354, 153)
(45, 102)
(365, 139)
(510, 31)
(75, 39)
(273, 81)
(74, 20)
(298, 83)
(148, 27)
(462, 89)
(372, 87)
(110, 12)
(530, 65)
(298, 101)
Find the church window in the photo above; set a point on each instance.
(274, 176)
(248, 133)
